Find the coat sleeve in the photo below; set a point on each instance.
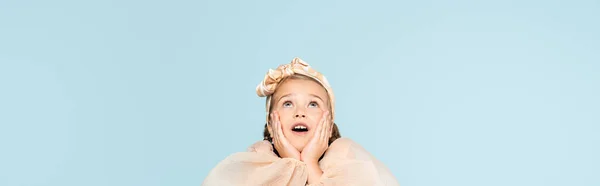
(258, 166)
(348, 163)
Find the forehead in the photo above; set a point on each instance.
(301, 86)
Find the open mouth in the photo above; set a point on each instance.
(300, 127)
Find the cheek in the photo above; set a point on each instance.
(315, 114)
(285, 113)
(285, 117)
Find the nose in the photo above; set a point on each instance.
(300, 113)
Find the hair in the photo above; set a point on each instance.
(335, 132)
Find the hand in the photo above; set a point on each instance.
(319, 142)
(283, 146)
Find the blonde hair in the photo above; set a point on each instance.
(335, 133)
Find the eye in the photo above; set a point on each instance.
(287, 104)
(313, 104)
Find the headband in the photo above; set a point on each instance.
(269, 84)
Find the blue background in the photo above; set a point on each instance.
(445, 93)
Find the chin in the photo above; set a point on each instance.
(299, 145)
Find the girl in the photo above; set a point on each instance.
(301, 143)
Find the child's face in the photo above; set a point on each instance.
(300, 102)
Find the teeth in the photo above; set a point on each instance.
(300, 127)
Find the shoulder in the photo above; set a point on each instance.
(257, 151)
(346, 148)
(260, 146)
(343, 142)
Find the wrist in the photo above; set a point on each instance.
(289, 156)
(314, 171)
(311, 161)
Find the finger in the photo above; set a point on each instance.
(319, 131)
(330, 123)
(271, 120)
(330, 133)
(274, 129)
(320, 127)
(280, 136)
(278, 125)
(323, 124)
(325, 130)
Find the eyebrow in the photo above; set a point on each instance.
(314, 95)
(291, 94)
